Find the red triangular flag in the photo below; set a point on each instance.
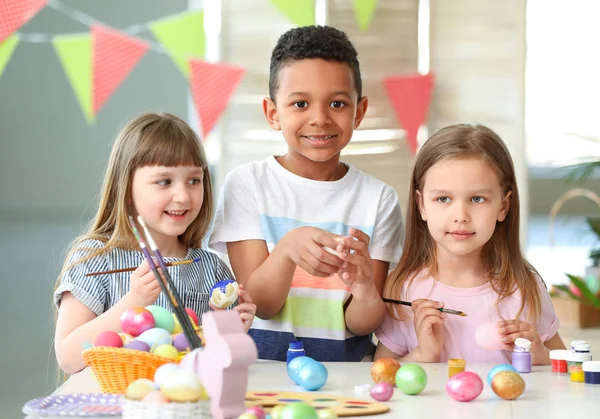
(410, 97)
(15, 13)
(113, 57)
(212, 86)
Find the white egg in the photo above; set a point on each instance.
(224, 293)
(162, 373)
(182, 386)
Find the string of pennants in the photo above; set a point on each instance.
(98, 61)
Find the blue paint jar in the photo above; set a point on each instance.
(295, 350)
(591, 371)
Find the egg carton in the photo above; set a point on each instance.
(132, 409)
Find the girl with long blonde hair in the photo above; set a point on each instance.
(462, 251)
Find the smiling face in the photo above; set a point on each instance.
(461, 201)
(317, 108)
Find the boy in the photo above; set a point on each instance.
(300, 229)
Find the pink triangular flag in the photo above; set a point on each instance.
(114, 55)
(410, 97)
(212, 86)
(15, 13)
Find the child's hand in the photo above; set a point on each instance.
(144, 288)
(510, 330)
(305, 247)
(357, 270)
(429, 326)
(245, 307)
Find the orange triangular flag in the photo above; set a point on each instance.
(15, 13)
(212, 86)
(410, 97)
(114, 55)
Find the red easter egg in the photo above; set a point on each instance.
(193, 315)
(109, 338)
(136, 320)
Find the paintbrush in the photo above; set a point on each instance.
(116, 271)
(409, 304)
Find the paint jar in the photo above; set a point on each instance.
(456, 365)
(582, 348)
(558, 358)
(575, 361)
(521, 357)
(295, 350)
(576, 342)
(591, 372)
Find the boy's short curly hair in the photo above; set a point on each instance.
(308, 42)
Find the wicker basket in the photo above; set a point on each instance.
(116, 368)
(132, 409)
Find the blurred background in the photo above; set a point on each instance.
(524, 68)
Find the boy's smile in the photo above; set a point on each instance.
(317, 109)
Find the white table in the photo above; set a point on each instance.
(546, 396)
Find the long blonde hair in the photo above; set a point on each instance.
(502, 257)
(151, 139)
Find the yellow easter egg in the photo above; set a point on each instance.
(166, 350)
(155, 397)
(183, 386)
(138, 389)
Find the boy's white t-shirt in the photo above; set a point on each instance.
(262, 200)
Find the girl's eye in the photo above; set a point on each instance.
(337, 104)
(478, 199)
(195, 181)
(164, 182)
(443, 199)
(301, 104)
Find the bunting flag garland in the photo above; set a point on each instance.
(15, 13)
(6, 49)
(410, 97)
(300, 12)
(212, 86)
(364, 11)
(183, 36)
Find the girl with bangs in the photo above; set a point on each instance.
(462, 251)
(158, 170)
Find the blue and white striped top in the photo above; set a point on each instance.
(99, 293)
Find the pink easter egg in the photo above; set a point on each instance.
(136, 320)
(193, 315)
(488, 337)
(257, 411)
(464, 386)
(109, 338)
(382, 392)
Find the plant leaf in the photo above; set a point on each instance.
(585, 291)
(567, 291)
(580, 172)
(594, 224)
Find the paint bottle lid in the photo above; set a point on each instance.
(579, 357)
(591, 366)
(522, 345)
(576, 342)
(560, 354)
(296, 345)
(582, 347)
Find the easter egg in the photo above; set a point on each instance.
(326, 414)
(154, 337)
(139, 388)
(155, 397)
(464, 386)
(126, 338)
(138, 345)
(224, 293)
(312, 376)
(497, 369)
(385, 370)
(382, 391)
(488, 337)
(276, 411)
(181, 343)
(257, 411)
(163, 372)
(136, 320)
(411, 379)
(247, 416)
(182, 386)
(177, 328)
(193, 316)
(295, 365)
(508, 385)
(298, 410)
(109, 338)
(162, 318)
(165, 350)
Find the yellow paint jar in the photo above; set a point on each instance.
(456, 365)
(577, 374)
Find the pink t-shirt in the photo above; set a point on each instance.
(479, 303)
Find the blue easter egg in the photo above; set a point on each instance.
(295, 365)
(155, 336)
(497, 369)
(312, 376)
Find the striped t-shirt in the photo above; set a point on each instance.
(264, 201)
(99, 293)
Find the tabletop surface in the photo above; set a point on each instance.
(547, 395)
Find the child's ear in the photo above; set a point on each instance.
(361, 110)
(270, 110)
(505, 207)
(420, 206)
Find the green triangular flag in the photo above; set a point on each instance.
(183, 36)
(363, 10)
(75, 54)
(7, 47)
(301, 12)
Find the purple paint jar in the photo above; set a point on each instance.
(521, 357)
(591, 371)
